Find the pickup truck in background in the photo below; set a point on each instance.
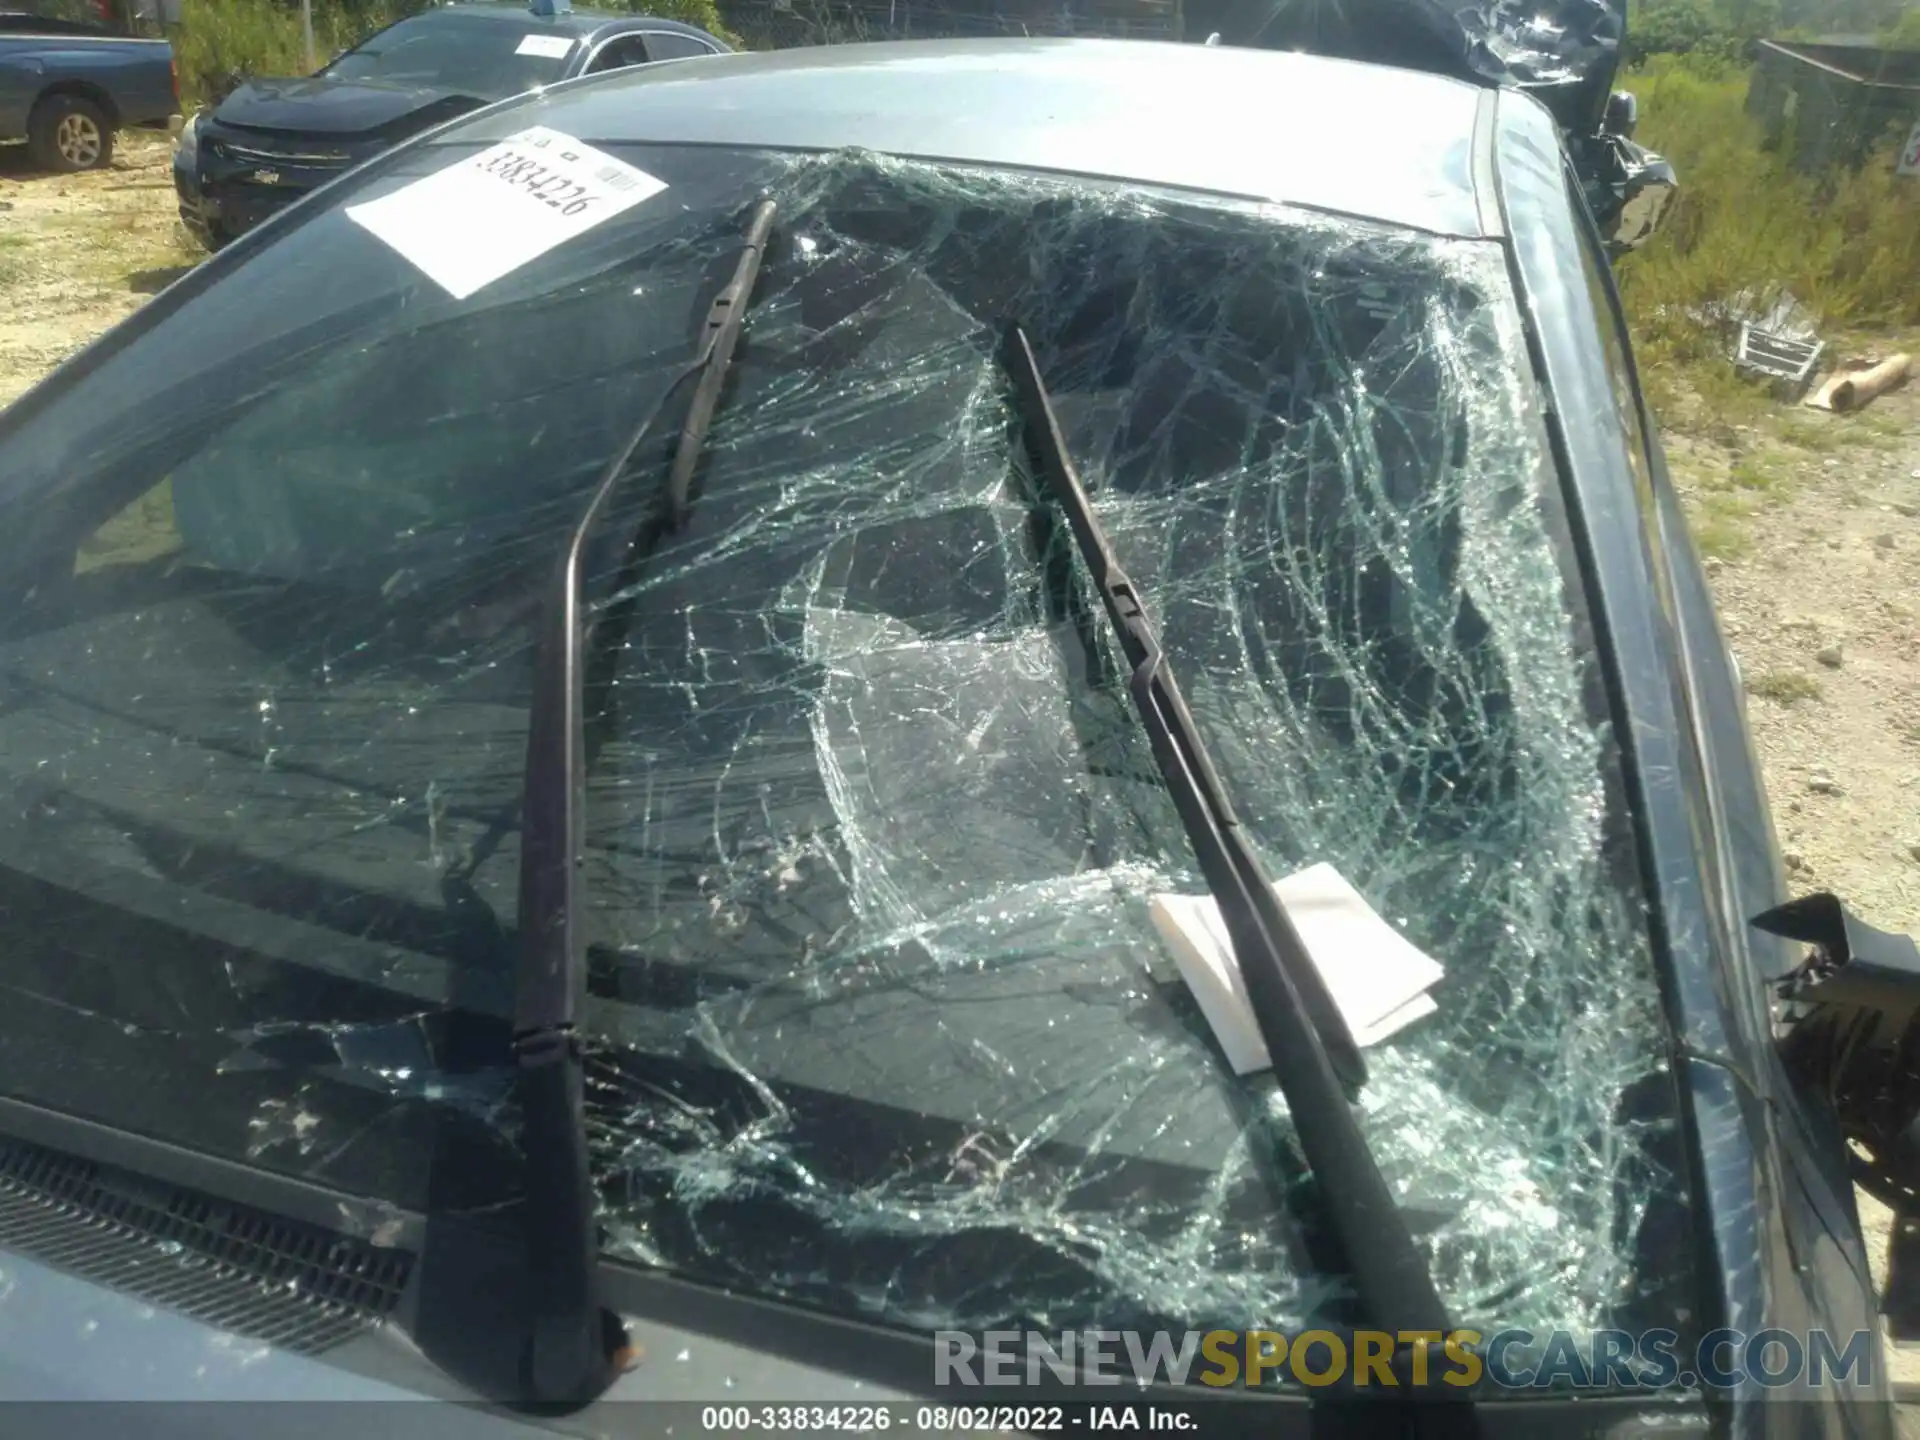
(66, 88)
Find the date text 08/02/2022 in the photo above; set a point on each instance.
(936, 1419)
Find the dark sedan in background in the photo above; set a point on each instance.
(272, 141)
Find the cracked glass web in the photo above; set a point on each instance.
(880, 1020)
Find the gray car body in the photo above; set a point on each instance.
(131, 80)
(1779, 1242)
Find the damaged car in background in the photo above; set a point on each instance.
(649, 746)
(273, 141)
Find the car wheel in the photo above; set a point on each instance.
(66, 133)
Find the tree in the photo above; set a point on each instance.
(1904, 33)
(1687, 27)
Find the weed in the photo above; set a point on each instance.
(1754, 475)
(1718, 529)
(12, 262)
(1880, 429)
(222, 42)
(1785, 687)
(1846, 244)
(1718, 539)
(1745, 224)
(1810, 434)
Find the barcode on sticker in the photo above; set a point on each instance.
(616, 178)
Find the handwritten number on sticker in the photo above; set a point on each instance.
(484, 217)
(536, 180)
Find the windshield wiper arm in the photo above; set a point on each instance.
(1314, 1057)
(573, 1339)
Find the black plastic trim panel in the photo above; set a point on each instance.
(245, 1185)
(300, 1287)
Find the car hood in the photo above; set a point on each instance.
(1564, 51)
(335, 107)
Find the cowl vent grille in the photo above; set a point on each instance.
(289, 1284)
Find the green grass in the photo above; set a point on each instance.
(1719, 528)
(1809, 434)
(1718, 538)
(1785, 687)
(12, 258)
(222, 40)
(1846, 244)
(1877, 428)
(1757, 475)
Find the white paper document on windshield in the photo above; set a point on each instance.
(1378, 978)
(482, 218)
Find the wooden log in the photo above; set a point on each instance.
(1842, 393)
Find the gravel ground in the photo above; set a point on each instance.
(1821, 607)
(80, 252)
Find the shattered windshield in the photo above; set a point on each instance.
(880, 1021)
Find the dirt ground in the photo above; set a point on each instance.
(1814, 558)
(1811, 526)
(80, 252)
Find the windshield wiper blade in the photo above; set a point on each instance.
(726, 316)
(1314, 1057)
(573, 1340)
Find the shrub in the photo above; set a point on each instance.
(1784, 687)
(1846, 244)
(1682, 27)
(1904, 33)
(220, 43)
(703, 13)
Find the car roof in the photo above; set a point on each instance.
(578, 21)
(1367, 140)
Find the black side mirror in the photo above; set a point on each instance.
(1850, 1036)
(1649, 188)
(1623, 114)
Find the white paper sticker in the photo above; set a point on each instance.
(552, 47)
(1377, 978)
(469, 224)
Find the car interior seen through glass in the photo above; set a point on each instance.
(469, 55)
